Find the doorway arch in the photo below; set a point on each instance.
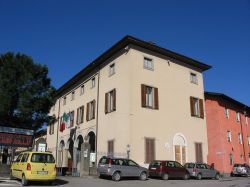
(180, 148)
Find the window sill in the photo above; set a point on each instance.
(110, 112)
(197, 116)
(151, 69)
(149, 107)
(110, 75)
(196, 83)
(90, 119)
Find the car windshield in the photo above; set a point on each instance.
(42, 158)
(189, 165)
(155, 164)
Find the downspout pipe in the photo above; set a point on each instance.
(97, 112)
(58, 124)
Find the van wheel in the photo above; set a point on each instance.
(143, 176)
(165, 176)
(199, 176)
(217, 176)
(116, 176)
(24, 181)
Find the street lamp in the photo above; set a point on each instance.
(128, 150)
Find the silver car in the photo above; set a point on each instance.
(120, 167)
(201, 170)
(240, 170)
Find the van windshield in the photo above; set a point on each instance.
(42, 158)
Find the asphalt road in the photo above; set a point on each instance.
(96, 182)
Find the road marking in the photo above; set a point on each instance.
(7, 182)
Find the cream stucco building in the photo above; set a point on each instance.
(136, 100)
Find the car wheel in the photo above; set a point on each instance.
(116, 176)
(217, 176)
(143, 176)
(199, 176)
(186, 177)
(232, 174)
(24, 181)
(165, 176)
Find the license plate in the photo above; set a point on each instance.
(42, 172)
(153, 168)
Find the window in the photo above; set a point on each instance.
(240, 138)
(193, 78)
(93, 82)
(178, 165)
(51, 128)
(19, 158)
(42, 158)
(90, 110)
(149, 97)
(110, 101)
(132, 163)
(25, 157)
(64, 100)
(149, 150)
(248, 140)
(148, 64)
(237, 116)
(226, 112)
(197, 109)
(111, 69)
(231, 159)
(72, 95)
(198, 152)
(80, 112)
(72, 118)
(111, 148)
(229, 136)
(82, 90)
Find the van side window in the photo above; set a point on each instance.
(178, 165)
(19, 158)
(25, 157)
(170, 164)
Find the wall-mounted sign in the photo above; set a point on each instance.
(92, 157)
(16, 140)
(85, 153)
(41, 147)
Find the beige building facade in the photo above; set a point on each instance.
(136, 100)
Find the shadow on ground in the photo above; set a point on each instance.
(57, 182)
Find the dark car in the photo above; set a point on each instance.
(120, 167)
(167, 169)
(201, 170)
(240, 170)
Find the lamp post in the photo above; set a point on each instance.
(128, 150)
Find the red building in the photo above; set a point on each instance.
(228, 131)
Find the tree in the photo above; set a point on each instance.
(26, 94)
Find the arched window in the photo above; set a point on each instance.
(180, 148)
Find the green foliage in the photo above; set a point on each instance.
(25, 92)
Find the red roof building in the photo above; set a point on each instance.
(228, 131)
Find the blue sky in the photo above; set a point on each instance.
(66, 35)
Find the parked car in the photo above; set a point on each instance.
(240, 170)
(34, 166)
(168, 169)
(201, 170)
(120, 167)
